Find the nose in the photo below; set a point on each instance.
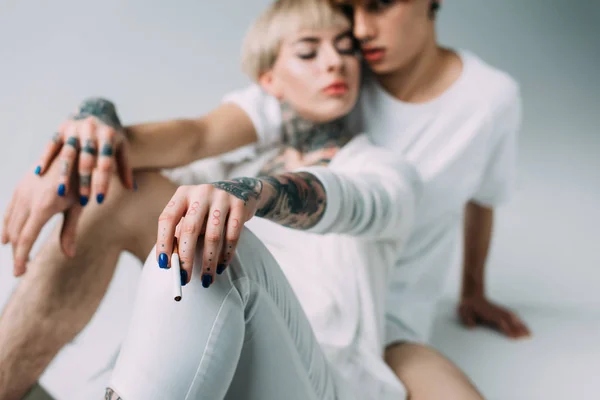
(364, 29)
(332, 60)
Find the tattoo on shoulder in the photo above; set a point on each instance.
(100, 108)
(242, 188)
(111, 395)
(299, 203)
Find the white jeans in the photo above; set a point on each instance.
(245, 337)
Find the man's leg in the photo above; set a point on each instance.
(428, 375)
(58, 296)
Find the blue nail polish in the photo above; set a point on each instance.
(220, 268)
(83, 200)
(61, 189)
(184, 277)
(163, 260)
(100, 198)
(38, 169)
(135, 186)
(206, 280)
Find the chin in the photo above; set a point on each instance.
(382, 67)
(332, 109)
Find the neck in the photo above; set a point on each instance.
(418, 80)
(306, 136)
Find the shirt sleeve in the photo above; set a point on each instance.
(377, 202)
(498, 180)
(264, 112)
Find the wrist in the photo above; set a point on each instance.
(472, 290)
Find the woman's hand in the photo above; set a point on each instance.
(94, 139)
(214, 213)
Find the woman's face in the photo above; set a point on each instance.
(392, 32)
(317, 73)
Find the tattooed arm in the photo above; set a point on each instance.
(296, 200)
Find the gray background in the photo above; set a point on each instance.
(160, 60)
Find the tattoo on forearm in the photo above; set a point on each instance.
(242, 188)
(299, 202)
(102, 109)
(111, 395)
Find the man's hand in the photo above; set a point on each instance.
(478, 310)
(32, 205)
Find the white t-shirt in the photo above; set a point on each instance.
(339, 269)
(464, 146)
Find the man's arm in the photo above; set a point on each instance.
(475, 307)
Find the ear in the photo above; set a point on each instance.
(268, 81)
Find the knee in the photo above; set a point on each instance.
(418, 366)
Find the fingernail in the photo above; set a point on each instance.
(184, 277)
(100, 198)
(83, 200)
(135, 186)
(206, 280)
(163, 260)
(38, 169)
(61, 189)
(220, 268)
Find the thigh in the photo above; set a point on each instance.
(245, 334)
(428, 375)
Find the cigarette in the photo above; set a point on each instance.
(176, 271)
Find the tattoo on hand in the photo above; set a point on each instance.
(107, 150)
(64, 168)
(299, 201)
(102, 109)
(111, 395)
(57, 138)
(73, 142)
(90, 147)
(85, 181)
(242, 188)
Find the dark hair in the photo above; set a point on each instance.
(433, 10)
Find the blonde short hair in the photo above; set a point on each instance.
(263, 40)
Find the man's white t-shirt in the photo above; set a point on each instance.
(464, 146)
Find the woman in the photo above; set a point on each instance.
(332, 227)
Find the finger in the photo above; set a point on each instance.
(87, 159)
(7, 218)
(68, 156)
(518, 328)
(69, 230)
(213, 237)
(124, 166)
(15, 229)
(106, 137)
(468, 318)
(191, 229)
(167, 224)
(233, 230)
(31, 231)
(51, 150)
